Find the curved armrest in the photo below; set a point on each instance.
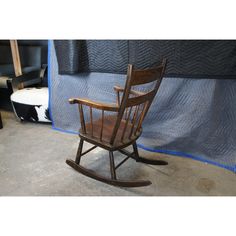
(97, 105)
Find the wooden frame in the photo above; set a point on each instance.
(115, 132)
(16, 57)
(16, 63)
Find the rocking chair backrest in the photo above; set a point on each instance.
(135, 104)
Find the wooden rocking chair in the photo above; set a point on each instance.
(115, 132)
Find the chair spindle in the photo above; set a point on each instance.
(82, 118)
(91, 119)
(134, 120)
(102, 125)
(126, 123)
(118, 98)
(142, 115)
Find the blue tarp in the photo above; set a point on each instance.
(193, 118)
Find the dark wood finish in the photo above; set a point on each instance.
(1, 126)
(81, 112)
(90, 149)
(112, 165)
(119, 89)
(136, 151)
(93, 104)
(119, 183)
(134, 155)
(79, 151)
(115, 132)
(91, 119)
(103, 127)
(140, 99)
(146, 76)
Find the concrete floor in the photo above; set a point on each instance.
(32, 163)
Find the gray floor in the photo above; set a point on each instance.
(32, 163)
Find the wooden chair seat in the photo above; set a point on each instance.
(93, 132)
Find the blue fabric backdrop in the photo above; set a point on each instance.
(193, 118)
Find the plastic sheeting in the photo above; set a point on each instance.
(194, 118)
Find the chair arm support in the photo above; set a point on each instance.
(97, 105)
(120, 89)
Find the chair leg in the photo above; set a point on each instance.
(145, 160)
(136, 151)
(1, 126)
(79, 151)
(112, 165)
